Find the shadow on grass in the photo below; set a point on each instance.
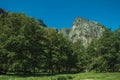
(28, 74)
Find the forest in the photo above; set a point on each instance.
(29, 47)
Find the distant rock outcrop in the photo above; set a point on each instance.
(41, 23)
(84, 30)
(3, 12)
(65, 31)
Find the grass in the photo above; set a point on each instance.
(79, 76)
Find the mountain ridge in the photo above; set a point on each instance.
(84, 30)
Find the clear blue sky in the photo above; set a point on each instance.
(61, 13)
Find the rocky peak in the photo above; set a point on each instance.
(79, 20)
(2, 12)
(85, 30)
(41, 23)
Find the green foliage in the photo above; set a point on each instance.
(61, 78)
(64, 77)
(28, 47)
(104, 53)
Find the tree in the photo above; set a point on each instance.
(79, 51)
(103, 53)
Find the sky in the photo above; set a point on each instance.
(61, 13)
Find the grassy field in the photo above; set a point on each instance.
(79, 76)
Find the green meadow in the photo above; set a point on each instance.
(78, 76)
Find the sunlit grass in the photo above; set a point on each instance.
(79, 76)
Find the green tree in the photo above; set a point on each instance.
(79, 51)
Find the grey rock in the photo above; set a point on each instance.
(65, 31)
(84, 30)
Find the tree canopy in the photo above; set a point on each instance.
(27, 46)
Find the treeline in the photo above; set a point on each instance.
(27, 47)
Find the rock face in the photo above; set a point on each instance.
(84, 30)
(65, 31)
(41, 23)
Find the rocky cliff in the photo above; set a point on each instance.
(84, 30)
(65, 31)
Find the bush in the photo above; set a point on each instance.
(69, 77)
(61, 78)
(64, 78)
